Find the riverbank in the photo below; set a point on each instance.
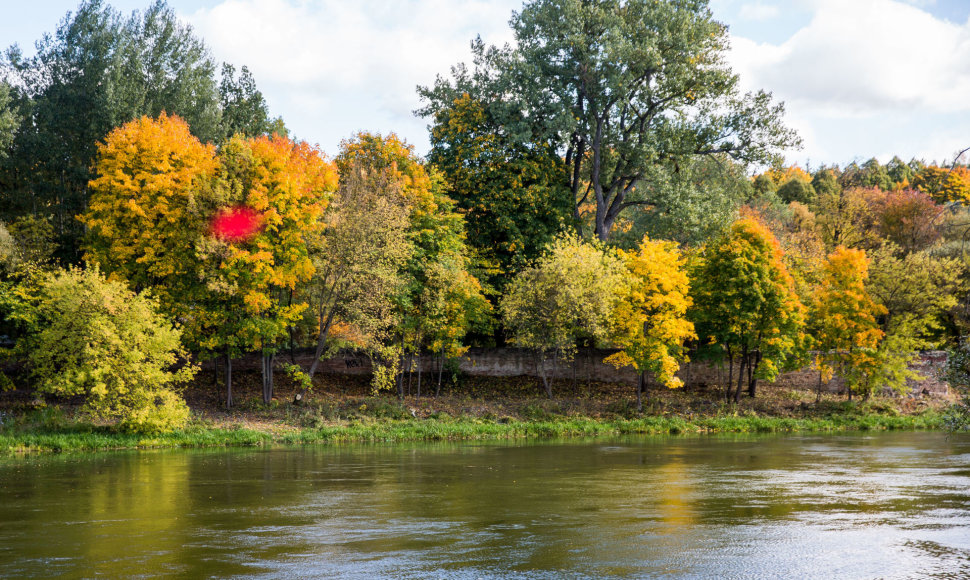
(341, 410)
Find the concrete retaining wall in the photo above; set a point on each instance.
(588, 363)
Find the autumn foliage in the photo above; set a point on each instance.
(650, 322)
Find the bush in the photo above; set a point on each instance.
(99, 340)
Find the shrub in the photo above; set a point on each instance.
(99, 340)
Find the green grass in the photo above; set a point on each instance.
(52, 434)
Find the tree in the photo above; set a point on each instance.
(617, 87)
(900, 173)
(97, 72)
(650, 322)
(513, 194)
(799, 190)
(359, 258)
(867, 176)
(944, 185)
(690, 203)
(573, 289)
(844, 217)
(9, 121)
(843, 316)
(916, 289)
(34, 238)
(745, 303)
(910, 219)
(243, 106)
(286, 186)
(102, 341)
(437, 268)
(152, 199)
(825, 182)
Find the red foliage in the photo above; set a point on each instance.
(236, 224)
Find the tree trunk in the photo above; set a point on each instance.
(410, 371)
(541, 371)
(730, 381)
(228, 379)
(268, 358)
(818, 392)
(741, 368)
(441, 371)
(640, 392)
(419, 374)
(752, 375)
(321, 343)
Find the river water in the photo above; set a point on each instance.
(894, 505)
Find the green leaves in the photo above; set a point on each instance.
(617, 88)
(99, 340)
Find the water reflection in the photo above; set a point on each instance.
(888, 506)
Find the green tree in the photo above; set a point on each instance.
(797, 190)
(436, 233)
(691, 203)
(867, 176)
(825, 182)
(745, 303)
(617, 87)
(900, 173)
(513, 194)
(99, 340)
(244, 109)
(9, 121)
(572, 290)
(917, 290)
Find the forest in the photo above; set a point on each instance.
(603, 183)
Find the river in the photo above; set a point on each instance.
(886, 505)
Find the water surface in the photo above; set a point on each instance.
(893, 505)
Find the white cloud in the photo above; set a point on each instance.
(759, 11)
(864, 57)
(361, 58)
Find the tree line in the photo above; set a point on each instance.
(589, 186)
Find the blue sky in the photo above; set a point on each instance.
(860, 78)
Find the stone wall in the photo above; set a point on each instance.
(588, 363)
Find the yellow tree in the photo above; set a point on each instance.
(150, 204)
(843, 316)
(650, 324)
(944, 185)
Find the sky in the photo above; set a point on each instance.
(859, 78)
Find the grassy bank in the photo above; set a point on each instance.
(40, 434)
(342, 409)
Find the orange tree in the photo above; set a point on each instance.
(650, 322)
(286, 185)
(745, 304)
(153, 203)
